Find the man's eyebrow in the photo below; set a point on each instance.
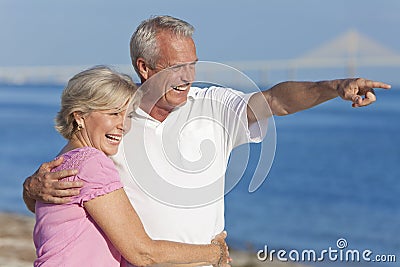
(185, 64)
(190, 63)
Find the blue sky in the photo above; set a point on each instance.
(76, 32)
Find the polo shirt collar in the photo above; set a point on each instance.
(192, 93)
(142, 113)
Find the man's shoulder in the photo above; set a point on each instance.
(212, 92)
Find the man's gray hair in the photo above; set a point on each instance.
(143, 41)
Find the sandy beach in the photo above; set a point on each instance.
(17, 249)
(16, 245)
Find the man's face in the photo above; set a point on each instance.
(175, 70)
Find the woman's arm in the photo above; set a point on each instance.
(120, 222)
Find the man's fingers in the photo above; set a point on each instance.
(65, 173)
(357, 88)
(221, 235)
(224, 234)
(55, 176)
(368, 99)
(63, 189)
(65, 193)
(370, 96)
(56, 200)
(356, 99)
(60, 196)
(374, 84)
(68, 185)
(52, 164)
(48, 166)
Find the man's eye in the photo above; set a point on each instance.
(176, 67)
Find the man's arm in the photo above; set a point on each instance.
(45, 186)
(290, 97)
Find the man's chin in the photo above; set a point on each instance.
(177, 99)
(177, 104)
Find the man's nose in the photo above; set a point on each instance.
(188, 73)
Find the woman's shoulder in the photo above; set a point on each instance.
(78, 157)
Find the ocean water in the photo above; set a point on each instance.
(336, 174)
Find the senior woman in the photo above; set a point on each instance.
(99, 227)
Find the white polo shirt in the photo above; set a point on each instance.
(173, 171)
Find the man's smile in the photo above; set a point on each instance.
(182, 87)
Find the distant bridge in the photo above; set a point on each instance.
(350, 51)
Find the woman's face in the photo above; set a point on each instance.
(104, 130)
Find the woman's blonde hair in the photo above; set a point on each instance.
(97, 88)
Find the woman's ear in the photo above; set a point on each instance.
(79, 119)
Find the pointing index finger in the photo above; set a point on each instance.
(374, 84)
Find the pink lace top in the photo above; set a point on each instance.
(65, 235)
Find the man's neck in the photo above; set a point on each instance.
(159, 114)
(155, 111)
(158, 111)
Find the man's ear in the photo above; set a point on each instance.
(143, 68)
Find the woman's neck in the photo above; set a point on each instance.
(71, 145)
